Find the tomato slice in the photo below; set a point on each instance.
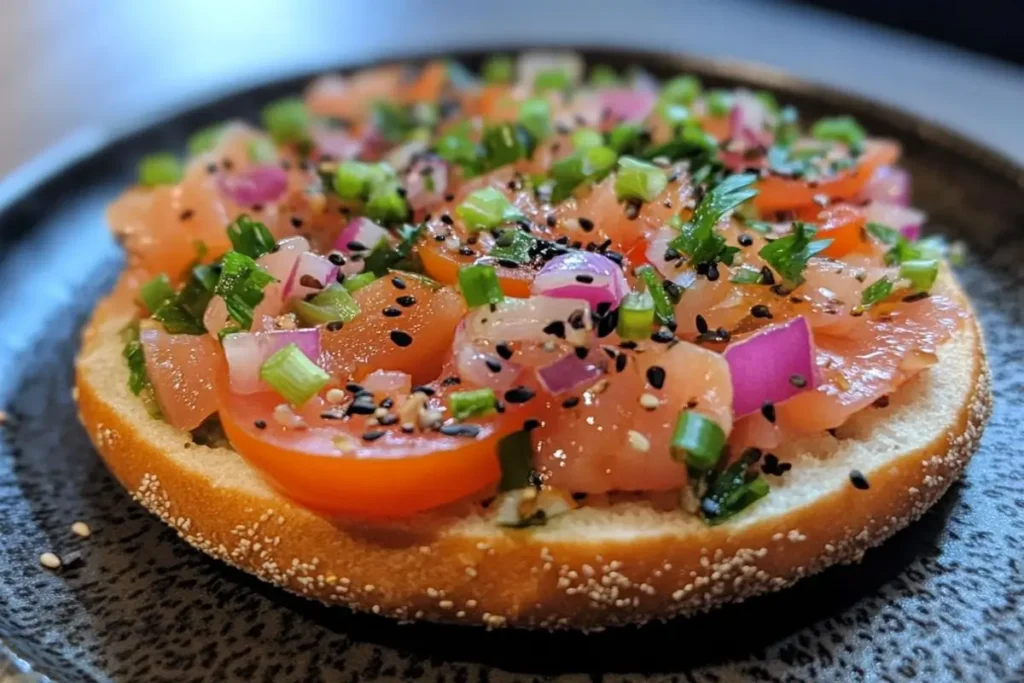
(396, 475)
(779, 194)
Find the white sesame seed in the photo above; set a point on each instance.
(649, 401)
(81, 529)
(638, 441)
(335, 396)
(50, 561)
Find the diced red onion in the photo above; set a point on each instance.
(905, 219)
(387, 382)
(567, 373)
(309, 265)
(426, 174)
(762, 365)
(247, 351)
(335, 144)
(749, 121)
(254, 185)
(627, 104)
(888, 184)
(360, 231)
(560, 278)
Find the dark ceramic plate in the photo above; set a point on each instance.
(943, 600)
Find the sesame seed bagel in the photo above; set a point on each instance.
(611, 562)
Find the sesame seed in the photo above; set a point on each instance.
(335, 395)
(530, 423)
(469, 430)
(406, 300)
(50, 561)
(81, 529)
(585, 279)
(335, 325)
(656, 376)
(768, 411)
(503, 350)
(638, 441)
(571, 402)
(520, 394)
(702, 324)
(798, 381)
(492, 365)
(649, 401)
(556, 328)
(260, 424)
(401, 338)
(620, 362)
(586, 224)
(859, 481)
(373, 435)
(745, 240)
(391, 312)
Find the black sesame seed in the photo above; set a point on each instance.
(296, 222)
(259, 424)
(662, 336)
(556, 328)
(620, 362)
(492, 365)
(702, 324)
(401, 338)
(336, 258)
(508, 263)
(460, 430)
(712, 272)
(656, 376)
(768, 411)
(451, 380)
(798, 381)
(186, 214)
(767, 277)
(398, 282)
(449, 197)
(388, 420)
(466, 251)
(585, 279)
(335, 325)
(859, 481)
(571, 402)
(406, 300)
(551, 220)
(581, 352)
(628, 344)
(391, 312)
(760, 311)
(387, 403)
(353, 387)
(745, 240)
(530, 423)
(881, 402)
(423, 389)
(503, 350)
(362, 407)
(372, 435)
(356, 246)
(586, 224)
(603, 308)
(446, 219)
(519, 394)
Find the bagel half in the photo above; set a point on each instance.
(624, 562)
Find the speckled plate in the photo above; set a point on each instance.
(943, 600)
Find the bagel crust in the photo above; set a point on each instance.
(621, 562)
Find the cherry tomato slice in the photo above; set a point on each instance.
(844, 225)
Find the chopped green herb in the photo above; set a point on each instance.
(241, 284)
(506, 143)
(746, 275)
(900, 248)
(581, 166)
(384, 257)
(700, 238)
(386, 206)
(732, 490)
(876, 291)
(184, 313)
(681, 90)
(138, 378)
(293, 375)
(205, 139)
(514, 454)
(603, 76)
(697, 441)
(262, 151)
(458, 148)
(663, 308)
(844, 129)
(160, 169)
(250, 237)
(357, 282)
(582, 138)
(551, 79)
(787, 126)
(498, 69)
(392, 121)
(626, 138)
(355, 180)
(636, 316)
(156, 292)
(789, 255)
(639, 180)
(514, 245)
(329, 305)
(480, 286)
(487, 208)
(920, 273)
(287, 120)
(719, 103)
(535, 117)
(474, 403)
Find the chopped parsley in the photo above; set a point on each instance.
(732, 490)
(400, 257)
(241, 284)
(250, 237)
(789, 255)
(663, 309)
(183, 314)
(514, 245)
(876, 291)
(844, 129)
(700, 238)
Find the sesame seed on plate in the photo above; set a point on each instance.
(81, 529)
(50, 561)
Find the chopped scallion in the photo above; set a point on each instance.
(480, 286)
(733, 490)
(287, 120)
(603, 76)
(156, 292)
(582, 138)
(332, 304)
(505, 144)
(487, 208)
(160, 169)
(514, 454)
(250, 237)
(746, 275)
(514, 245)
(639, 180)
(663, 308)
(636, 316)
(386, 206)
(844, 129)
(581, 166)
(681, 90)
(475, 403)
(697, 441)
(205, 139)
(920, 273)
(535, 117)
(293, 375)
(876, 291)
(551, 79)
(357, 282)
(718, 102)
(625, 138)
(241, 284)
(498, 69)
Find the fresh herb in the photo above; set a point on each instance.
(399, 257)
(487, 208)
(680, 90)
(514, 455)
(719, 103)
(844, 129)
(241, 284)
(603, 76)
(498, 69)
(551, 79)
(789, 255)
(357, 282)
(535, 117)
(639, 180)
(920, 273)
(506, 143)
(582, 166)
(357, 180)
(474, 403)
(636, 316)
(386, 205)
(878, 290)
(513, 245)
(732, 490)
(156, 292)
(250, 237)
(700, 238)
(138, 378)
(626, 138)
(183, 314)
(392, 121)
(205, 139)
(480, 286)
(329, 305)
(287, 120)
(160, 169)
(663, 308)
(582, 138)
(900, 248)
(457, 147)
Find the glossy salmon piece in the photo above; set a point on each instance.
(609, 442)
(181, 368)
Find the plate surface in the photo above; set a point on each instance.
(942, 600)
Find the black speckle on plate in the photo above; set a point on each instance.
(940, 601)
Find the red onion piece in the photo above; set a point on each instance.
(309, 265)
(247, 351)
(387, 382)
(627, 104)
(888, 184)
(334, 144)
(567, 373)
(254, 185)
(905, 219)
(762, 365)
(426, 183)
(360, 231)
(565, 277)
(749, 121)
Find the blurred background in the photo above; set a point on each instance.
(73, 73)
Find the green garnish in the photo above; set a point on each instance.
(639, 180)
(250, 237)
(636, 316)
(355, 180)
(293, 375)
(287, 120)
(582, 138)
(487, 208)
(506, 143)
(551, 79)
(789, 255)
(480, 286)
(700, 238)
(160, 169)
(680, 90)
(878, 290)
(583, 165)
(138, 378)
(329, 305)
(733, 490)
(156, 292)
(787, 126)
(514, 454)
(262, 151)
(498, 69)
(385, 205)
(535, 117)
(357, 282)
(241, 284)
(384, 257)
(183, 314)
(663, 308)
(204, 139)
(920, 273)
(746, 275)
(697, 441)
(625, 138)
(392, 121)
(719, 103)
(514, 245)
(456, 147)
(844, 129)
(900, 248)
(475, 403)
(674, 114)
(603, 76)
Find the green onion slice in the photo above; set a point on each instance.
(287, 120)
(697, 441)
(293, 375)
(663, 308)
(636, 316)
(475, 403)
(479, 285)
(487, 208)
(639, 180)
(329, 305)
(160, 169)
(357, 282)
(156, 292)
(920, 273)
